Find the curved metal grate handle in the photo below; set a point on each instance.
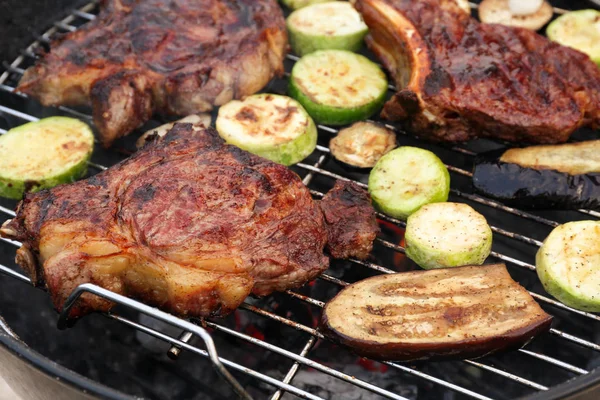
(159, 315)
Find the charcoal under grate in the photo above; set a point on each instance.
(271, 345)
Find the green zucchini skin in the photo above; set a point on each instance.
(434, 226)
(304, 44)
(558, 31)
(56, 135)
(530, 188)
(565, 264)
(14, 189)
(392, 173)
(295, 151)
(336, 116)
(307, 39)
(338, 96)
(237, 128)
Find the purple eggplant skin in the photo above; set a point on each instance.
(530, 188)
(467, 349)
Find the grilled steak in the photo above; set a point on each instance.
(188, 224)
(169, 56)
(459, 79)
(351, 222)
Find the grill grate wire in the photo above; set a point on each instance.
(301, 359)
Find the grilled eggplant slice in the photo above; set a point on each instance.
(563, 176)
(465, 312)
(573, 159)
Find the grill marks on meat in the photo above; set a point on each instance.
(188, 224)
(460, 79)
(176, 57)
(351, 221)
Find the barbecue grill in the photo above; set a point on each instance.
(271, 347)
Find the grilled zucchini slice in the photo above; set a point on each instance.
(338, 87)
(43, 154)
(407, 178)
(333, 25)
(463, 312)
(271, 126)
(568, 264)
(361, 145)
(445, 235)
(579, 30)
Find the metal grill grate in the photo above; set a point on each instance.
(319, 173)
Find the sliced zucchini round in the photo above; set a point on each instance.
(407, 178)
(333, 25)
(271, 126)
(445, 235)
(568, 264)
(579, 30)
(43, 154)
(296, 4)
(362, 144)
(338, 87)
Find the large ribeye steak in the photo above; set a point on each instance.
(175, 57)
(189, 224)
(459, 79)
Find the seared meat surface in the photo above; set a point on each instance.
(351, 221)
(459, 79)
(188, 224)
(174, 57)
